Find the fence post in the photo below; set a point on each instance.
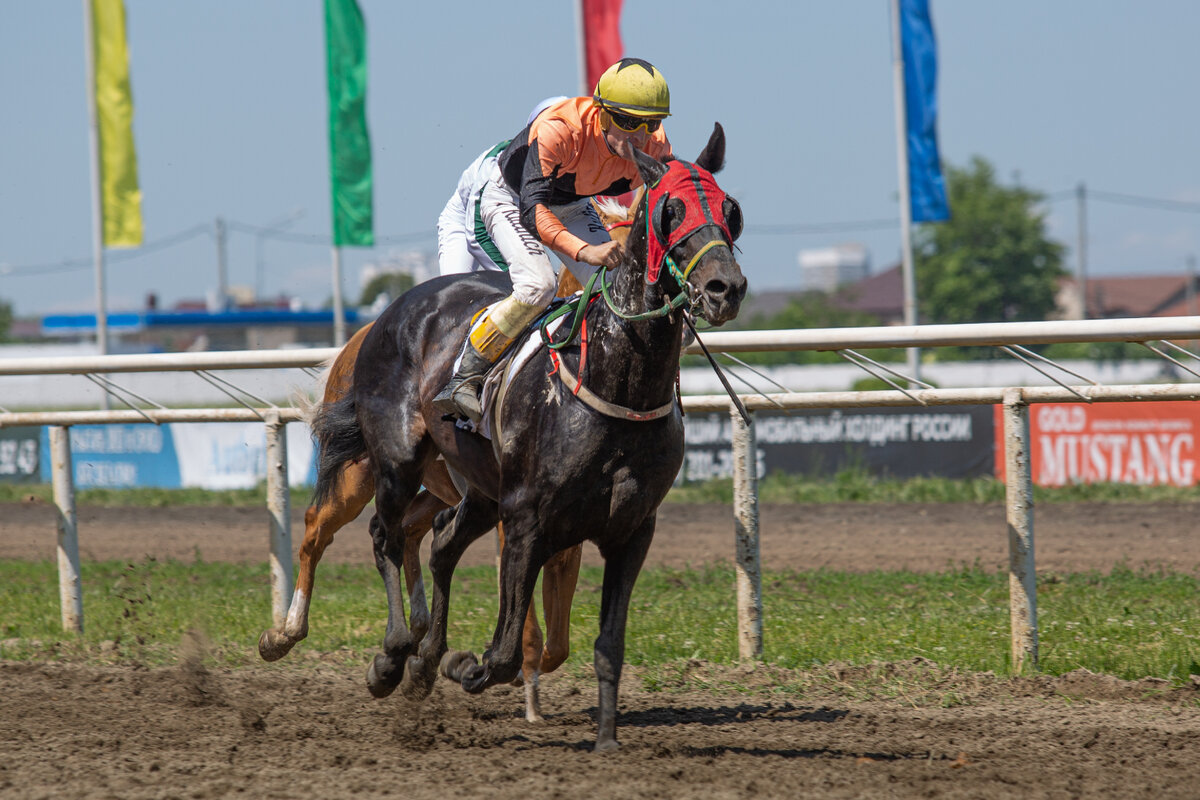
(69, 586)
(745, 514)
(279, 508)
(1018, 497)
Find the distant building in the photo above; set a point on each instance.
(882, 296)
(1131, 296)
(828, 268)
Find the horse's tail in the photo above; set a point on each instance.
(339, 441)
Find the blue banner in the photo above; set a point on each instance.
(208, 455)
(927, 188)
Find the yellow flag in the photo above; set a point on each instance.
(121, 197)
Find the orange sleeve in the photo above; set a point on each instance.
(555, 235)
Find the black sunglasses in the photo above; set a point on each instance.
(630, 123)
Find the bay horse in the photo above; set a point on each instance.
(567, 465)
(354, 489)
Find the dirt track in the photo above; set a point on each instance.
(856, 537)
(289, 731)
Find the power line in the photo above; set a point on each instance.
(1145, 202)
(86, 262)
(824, 227)
(318, 239)
(73, 264)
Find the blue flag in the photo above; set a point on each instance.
(927, 187)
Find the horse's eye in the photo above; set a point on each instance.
(673, 215)
(733, 217)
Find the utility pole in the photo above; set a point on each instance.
(1189, 293)
(222, 270)
(1081, 249)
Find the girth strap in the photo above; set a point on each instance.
(606, 408)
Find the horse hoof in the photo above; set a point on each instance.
(605, 746)
(454, 662)
(382, 677)
(274, 645)
(475, 678)
(418, 680)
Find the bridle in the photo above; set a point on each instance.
(699, 186)
(704, 206)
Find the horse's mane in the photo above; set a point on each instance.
(611, 210)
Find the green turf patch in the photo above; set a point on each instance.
(1129, 624)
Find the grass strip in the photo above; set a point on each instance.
(1127, 623)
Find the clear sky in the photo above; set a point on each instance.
(230, 121)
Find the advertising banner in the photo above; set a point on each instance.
(19, 461)
(949, 441)
(211, 455)
(118, 456)
(1147, 443)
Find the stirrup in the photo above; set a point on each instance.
(460, 396)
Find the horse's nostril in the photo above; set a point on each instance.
(716, 288)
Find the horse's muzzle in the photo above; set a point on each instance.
(722, 294)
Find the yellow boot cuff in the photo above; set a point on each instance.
(512, 316)
(488, 340)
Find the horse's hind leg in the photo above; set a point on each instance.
(393, 494)
(559, 576)
(418, 519)
(352, 493)
(454, 530)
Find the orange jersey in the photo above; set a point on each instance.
(561, 157)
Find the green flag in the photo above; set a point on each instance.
(349, 142)
(121, 199)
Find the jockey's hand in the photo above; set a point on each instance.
(607, 255)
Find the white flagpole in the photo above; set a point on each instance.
(97, 198)
(89, 52)
(581, 41)
(339, 314)
(906, 268)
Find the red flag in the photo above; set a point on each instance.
(601, 38)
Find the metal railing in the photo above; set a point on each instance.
(1010, 337)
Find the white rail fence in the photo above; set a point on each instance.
(1010, 337)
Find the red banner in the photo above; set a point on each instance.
(1147, 443)
(601, 38)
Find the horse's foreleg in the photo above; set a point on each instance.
(352, 493)
(519, 566)
(453, 531)
(559, 578)
(531, 650)
(621, 568)
(418, 519)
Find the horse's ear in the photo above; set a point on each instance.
(650, 168)
(713, 156)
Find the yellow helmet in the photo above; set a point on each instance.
(635, 88)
